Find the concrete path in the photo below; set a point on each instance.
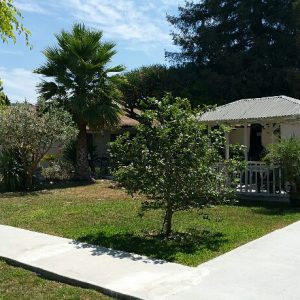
(267, 268)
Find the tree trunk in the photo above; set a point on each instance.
(83, 171)
(168, 220)
(28, 180)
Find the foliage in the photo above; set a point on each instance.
(286, 154)
(10, 23)
(4, 101)
(156, 80)
(240, 47)
(58, 170)
(93, 155)
(83, 83)
(50, 158)
(171, 160)
(30, 134)
(12, 173)
(141, 83)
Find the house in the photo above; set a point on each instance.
(100, 139)
(256, 123)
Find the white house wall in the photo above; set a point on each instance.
(290, 130)
(236, 136)
(101, 140)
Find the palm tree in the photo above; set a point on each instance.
(82, 82)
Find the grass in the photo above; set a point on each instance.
(103, 215)
(17, 283)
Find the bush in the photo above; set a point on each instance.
(25, 129)
(58, 170)
(286, 155)
(12, 173)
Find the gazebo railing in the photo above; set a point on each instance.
(259, 178)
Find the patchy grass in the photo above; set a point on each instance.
(104, 215)
(17, 283)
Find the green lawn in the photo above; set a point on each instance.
(104, 215)
(19, 284)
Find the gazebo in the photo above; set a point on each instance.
(256, 123)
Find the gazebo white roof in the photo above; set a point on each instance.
(252, 110)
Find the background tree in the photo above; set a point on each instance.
(171, 160)
(156, 80)
(27, 135)
(82, 84)
(241, 48)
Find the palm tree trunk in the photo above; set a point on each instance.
(28, 180)
(83, 171)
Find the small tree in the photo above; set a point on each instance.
(171, 160)
(30, 134)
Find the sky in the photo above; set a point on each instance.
(138, 27)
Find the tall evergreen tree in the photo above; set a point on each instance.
(243, 48)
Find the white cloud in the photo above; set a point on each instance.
(30, 6)
(139, 21)
(19, 84)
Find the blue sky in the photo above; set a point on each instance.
(138, 27)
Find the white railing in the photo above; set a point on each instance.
(259, 178)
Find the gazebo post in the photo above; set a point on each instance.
(227, 146)
(246, 140)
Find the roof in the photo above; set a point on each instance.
(254, 109)
(127, 121)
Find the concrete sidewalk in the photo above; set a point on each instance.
(267, 268)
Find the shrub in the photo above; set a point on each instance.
(25, 129)
(286, 155)
(12, 173)
(58, 170)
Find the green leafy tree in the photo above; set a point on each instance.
(29, 135)
(241, 48)
(81, 80)
(171, 160)
(10, 22)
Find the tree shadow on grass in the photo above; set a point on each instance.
(270, 208)
(45, 188)
(276, 211)
(155, 247)
(64, 184)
